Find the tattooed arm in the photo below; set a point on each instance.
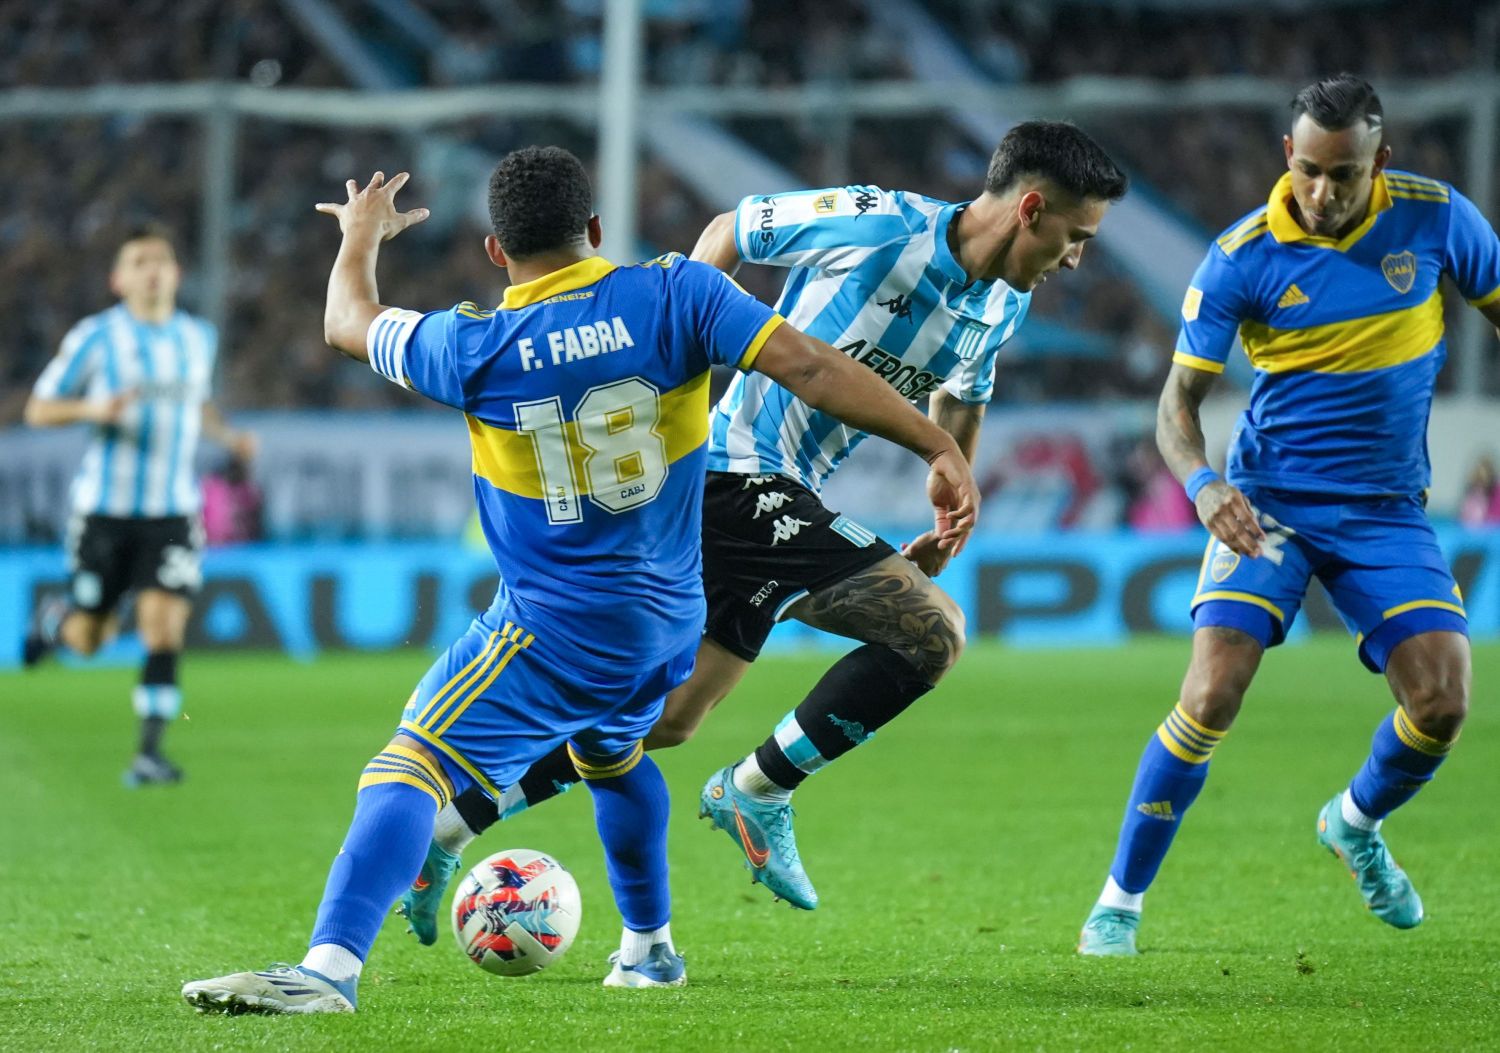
(961, 420)
(1179, 437)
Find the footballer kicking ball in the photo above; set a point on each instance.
(516, 912)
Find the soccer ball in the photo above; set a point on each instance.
(516, 912)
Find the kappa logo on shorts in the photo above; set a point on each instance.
(770, 502)
(1223, 564)
(757, 480)
(786, 528)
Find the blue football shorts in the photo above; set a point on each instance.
(499, 700)
(1379, 560)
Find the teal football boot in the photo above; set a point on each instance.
(1109, 933)
(763, 830)
(1387, 891)
(420, 903)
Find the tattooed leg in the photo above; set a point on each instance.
(913, 634)
(895, 605)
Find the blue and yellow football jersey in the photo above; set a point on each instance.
(1346, 335)
(586, 396)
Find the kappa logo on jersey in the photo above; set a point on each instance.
(864, 200)
(769, 502)
(1400, 269)
(1293, 297)
(786, 528)
(898, 305)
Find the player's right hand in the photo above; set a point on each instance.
(954, 498)
(1230, 517)
(373, 209)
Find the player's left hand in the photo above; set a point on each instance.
(927, 553)
(955, 500)
(373, 209)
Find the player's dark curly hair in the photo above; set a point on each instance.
(1337, 102)
(540, 200)
(1058, 151)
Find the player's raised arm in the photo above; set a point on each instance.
(716, 245)
(826, 380)
(1179, 435)
(367, 218)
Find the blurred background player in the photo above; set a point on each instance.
(923, 294)
(1333, 289)
(140, 374)
(594, 522)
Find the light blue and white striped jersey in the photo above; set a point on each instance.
(142, 467)
(871, 274)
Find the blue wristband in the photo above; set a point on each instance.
(1198, 480)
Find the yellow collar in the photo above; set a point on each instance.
(1285, 228)
(565, 279)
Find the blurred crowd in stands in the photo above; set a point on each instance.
(76, 185)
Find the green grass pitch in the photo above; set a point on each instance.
(956, 856)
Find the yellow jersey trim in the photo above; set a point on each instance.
(1414, 605)
(507, 459)
(1240, 597)
(428, 738)
(1207, 365)
(1377, 341)
(747, 360)
(1415, 183)
(1248, 236)
(574, 276)
(1487, 299)
(1286, 229)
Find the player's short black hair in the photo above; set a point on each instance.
(150, 231)
(540, 200)
(1058, 151)
(1337, 102)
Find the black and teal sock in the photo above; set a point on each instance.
(631, 808)
(156, 699)
(1171, 774)
(864, 691)
(554, 774)
(1402, 760)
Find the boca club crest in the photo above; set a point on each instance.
(1400, 269)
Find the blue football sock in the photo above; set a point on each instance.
(399, 796)
(1171, 773)
(1402, 760)
(630, 808)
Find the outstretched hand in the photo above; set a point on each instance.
(373, 209)
(954, 498)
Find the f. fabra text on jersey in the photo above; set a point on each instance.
(576, 343)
